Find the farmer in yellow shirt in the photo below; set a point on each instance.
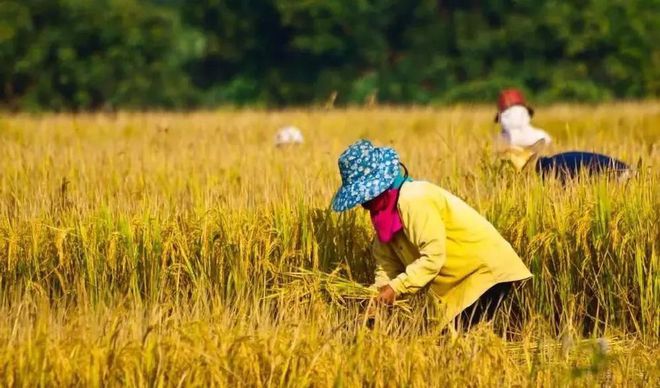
(427, 238)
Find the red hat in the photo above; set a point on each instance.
(509, 98)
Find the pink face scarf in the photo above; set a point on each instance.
(385, 215)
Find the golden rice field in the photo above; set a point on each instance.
(183, 249)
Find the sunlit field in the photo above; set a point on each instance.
(167, 249)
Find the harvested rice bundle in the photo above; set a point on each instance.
(337, 288)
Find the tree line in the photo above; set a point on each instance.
(179, 54)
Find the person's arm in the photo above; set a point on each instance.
(425, 228)
(387, 265)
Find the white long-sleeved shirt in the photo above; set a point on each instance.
(517, 129)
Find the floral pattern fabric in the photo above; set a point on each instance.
(366, 171)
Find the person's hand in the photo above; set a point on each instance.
(386, 295)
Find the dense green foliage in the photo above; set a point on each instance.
(91, 54)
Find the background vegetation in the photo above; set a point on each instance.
(107, 54)
(165, 249)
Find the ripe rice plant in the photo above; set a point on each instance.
(185, 249)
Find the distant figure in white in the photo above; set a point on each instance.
(288, 135)
(514, 115)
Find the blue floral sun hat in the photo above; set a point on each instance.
(366, 171)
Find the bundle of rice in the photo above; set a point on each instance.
(336, 288)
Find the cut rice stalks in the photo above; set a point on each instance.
(338, 290)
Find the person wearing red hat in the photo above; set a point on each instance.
(523, 144)
(514, 115)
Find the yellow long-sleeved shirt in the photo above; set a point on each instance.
(447, 245)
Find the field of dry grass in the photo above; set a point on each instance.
(166, 249)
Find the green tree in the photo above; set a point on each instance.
(88, 54)
(68, 54)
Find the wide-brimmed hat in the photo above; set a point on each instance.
(509, 98)
(366, 172)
